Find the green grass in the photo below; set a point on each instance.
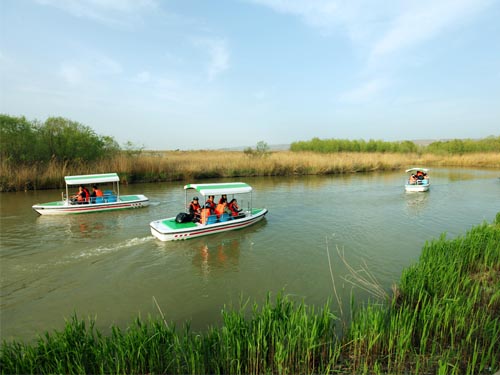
(443, 318)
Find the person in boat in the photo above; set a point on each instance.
(195, 210)
(420, 175)
(211, 203)
(234, 208)
(80, 197)
(96, 192)
(413, 179)
(221, 207)
(223, 199)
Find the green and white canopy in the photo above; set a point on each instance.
(425, 170)
(91, 179)
(218, 189)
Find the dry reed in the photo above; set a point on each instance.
(157, 166)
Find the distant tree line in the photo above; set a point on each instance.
(345, 145)
(23, 141)
(455, 146)
(464, 146)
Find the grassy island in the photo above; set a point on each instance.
(442, 318)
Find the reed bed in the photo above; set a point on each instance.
(158, 166)
(443, 318)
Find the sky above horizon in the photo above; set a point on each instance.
(187, 74)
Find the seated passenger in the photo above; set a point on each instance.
(233, 207)
(195, 210)
(220, 209)
(81, 196)
(223, 199)
(95, 193)
(412, 180)
(210, 202)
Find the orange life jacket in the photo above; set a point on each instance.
(98, 193)
(234, 208)
(219, 210)
(87, 194)
(82, 196)
(205, 213)
(193, 208)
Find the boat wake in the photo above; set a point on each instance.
(114, 247)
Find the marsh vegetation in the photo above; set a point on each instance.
(37, 155)
(443, 317)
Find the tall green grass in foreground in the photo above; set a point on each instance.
(443, 318)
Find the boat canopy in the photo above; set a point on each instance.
(425, 170)
(223, 188)
(91, 179)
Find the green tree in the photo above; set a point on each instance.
(17, 139)
(22, 141)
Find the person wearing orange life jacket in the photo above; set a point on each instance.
(210, 203)
(81, 196)
(234, 208)
(87, 193)
(96, 192)
(195, 210)
(220, 209)
(208, 210)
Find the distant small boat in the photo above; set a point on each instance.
(418, 180)
(111, 199)
(171, 229)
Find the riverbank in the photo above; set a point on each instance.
(156, 166)
(443, 317)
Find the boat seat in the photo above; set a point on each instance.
(212, 219)
(98, 200)
(112, 198)
(224, 217)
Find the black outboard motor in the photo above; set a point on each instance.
(183, 217)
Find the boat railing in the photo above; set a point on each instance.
(417, 182)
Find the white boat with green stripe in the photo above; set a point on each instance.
(172, 229)
(108, 183)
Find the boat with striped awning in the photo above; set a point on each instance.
(186, 226)
(109, 200)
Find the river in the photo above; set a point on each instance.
(108, 266)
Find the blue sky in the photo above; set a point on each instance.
(212, 74)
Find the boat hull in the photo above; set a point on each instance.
(168, 230)
(417, 188)
(65, 208)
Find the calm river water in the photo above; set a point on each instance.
(108, 266)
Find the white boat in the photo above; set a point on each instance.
(418, 180)
(170, 229)
(111, 199)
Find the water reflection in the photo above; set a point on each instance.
(221, 255)
(416, 202)
(81, 226)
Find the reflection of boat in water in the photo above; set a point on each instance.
(221, 255)
(110, 200)
(416, 203)
(170, 229)
(418, 180)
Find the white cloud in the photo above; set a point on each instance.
(366, 91)
(422, 21)
(219, 55)
(85, 70)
